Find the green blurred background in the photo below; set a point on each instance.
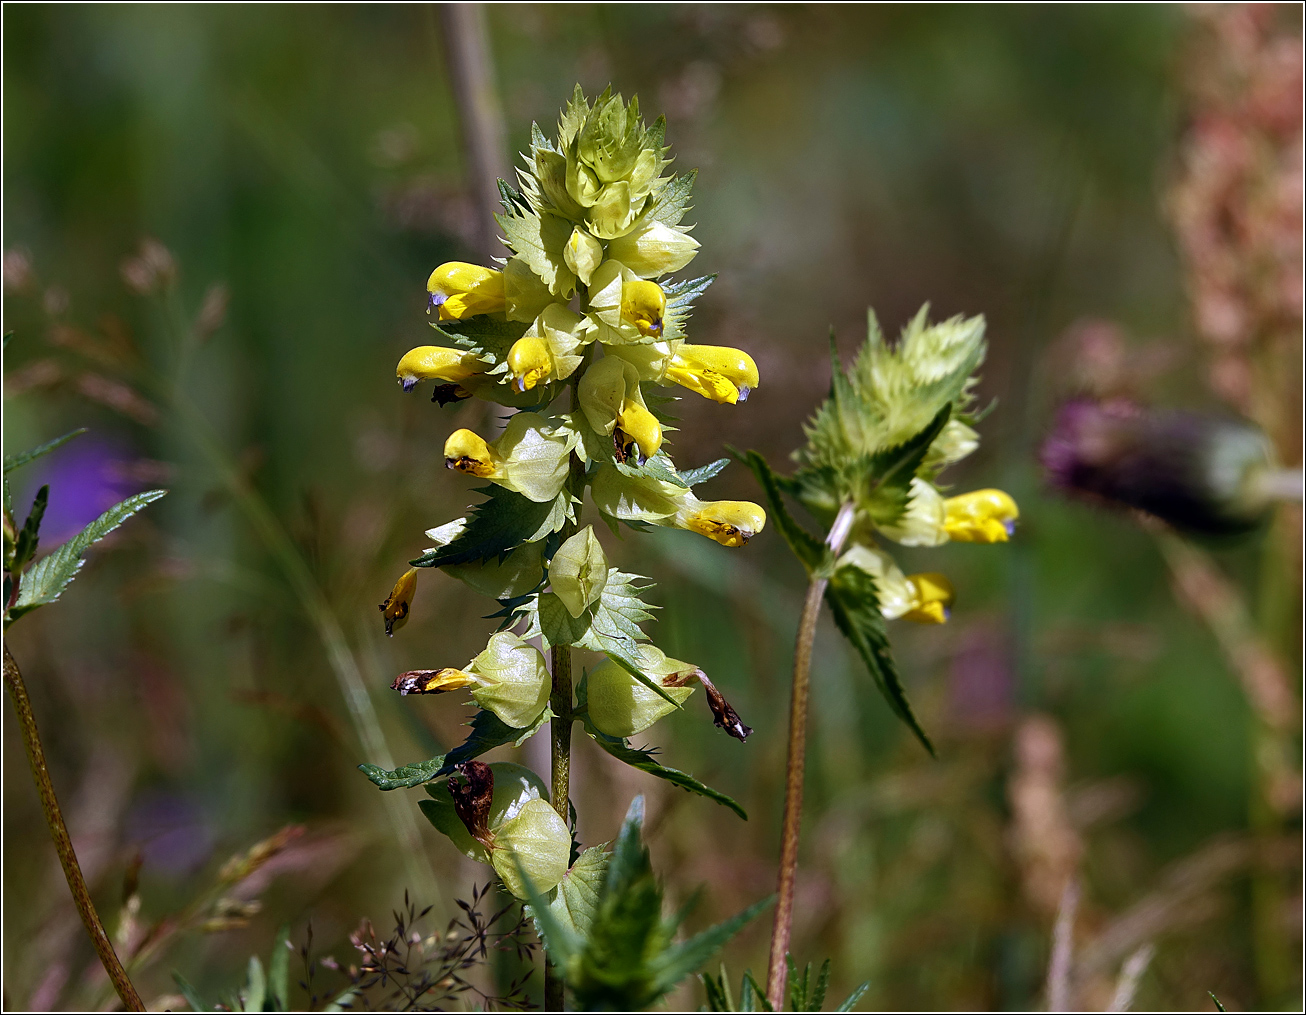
(1005, 161)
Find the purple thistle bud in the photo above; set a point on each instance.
(1201, 472)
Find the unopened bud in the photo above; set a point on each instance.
(579, 571)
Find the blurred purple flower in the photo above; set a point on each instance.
(172, 831)
(1201, 472)
(86, 478)
(980, 688)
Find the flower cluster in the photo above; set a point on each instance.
(893, 422)
(584, 307)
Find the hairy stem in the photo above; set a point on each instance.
(781, 929)
(62, 843)
(560, 785)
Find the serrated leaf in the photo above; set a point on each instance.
(807, 548)
(540, 240)
(17, 461)
(512, 199)
(855, 996)
(29, 535)
(577, 897)
(679, 961)
(45, 580)
(500, 523)
(855, 605)
(680, 304)
(657, 467)
(672, 200)
(887, 475)
(489, 732)
(692, 477)
(483, 334)
(643, 759)
(405, 776)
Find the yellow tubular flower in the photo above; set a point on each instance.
(931, 596)
(982, 516)
(395, 608)
(436, 363)
(463, 290)
(467, 452)
(714, 371)
(643, 304)
(635, 423)
(728, 522)
(529, 362)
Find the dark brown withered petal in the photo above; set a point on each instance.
(724, 715)
(471, 799)
(414, 682)
(446, 393)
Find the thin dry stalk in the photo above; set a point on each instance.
(1130, 975)
(1063, 945)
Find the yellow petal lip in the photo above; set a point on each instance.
(981, 516)
(717, 372)
(435, 363)
(932, 595)
(728, 522)
(395, 609)
(529, 362)
(643, 304)
(467, 452)
(637, 424)
(461, 290)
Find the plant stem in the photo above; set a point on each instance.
(560, 786)
(781, 929)
(62, 843)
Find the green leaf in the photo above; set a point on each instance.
(191, 995)
(855, 605)
(406, 776)
(681, 960)
(498, 525)
(577, 897)
(28, 536)
(489, 732)
(540, 240)
(692, 477)
(807, 548)
(279, 971)
(620, 749)
(658, 467)
(255, 992)
(512, 199)
(680, 303)
(45, 581)
(17, 461)
(886, 488)
(855, 996)
(483, 334)
(751, 996)
(672, 201)
(717, 989)
(562, 946)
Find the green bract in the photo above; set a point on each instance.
(511, 680)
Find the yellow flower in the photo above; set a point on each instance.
(610, 396)
(728, 522)
(931, 595)
(529, 362)
(436, 363)
(395, 608)
(714, 371)
(643, 304)
(982, 516)
(467, 452)
(461, 290)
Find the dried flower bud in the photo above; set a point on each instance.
(432, 681)
(395, 608)
(1203, 473)
(579, 571)
(723, 714)
(513, 786)
(471, 798)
